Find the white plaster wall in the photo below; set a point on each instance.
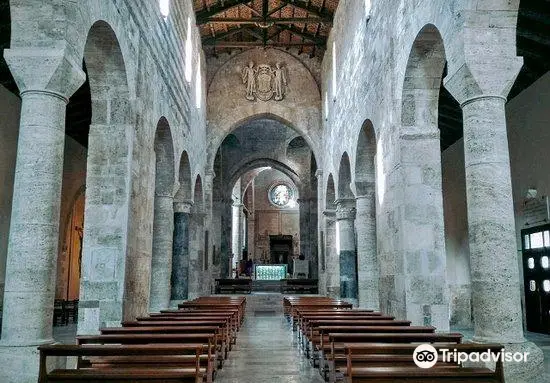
(10, 106)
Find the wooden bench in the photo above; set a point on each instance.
(332, 354)
(233, 286)
(208, 340)
(370, 363)
(299, 286)
(115, 373)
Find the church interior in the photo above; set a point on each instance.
(288, 191)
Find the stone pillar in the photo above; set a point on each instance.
(367, 258)
(180, 252)
(236, 233)
(196, 253)
(333, 262)
(321, 235)
(34, 228)
(345, 216)
(481, 88)
(161, 261)
(225, 246)
(305, 241)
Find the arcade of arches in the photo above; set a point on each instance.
(399, 147)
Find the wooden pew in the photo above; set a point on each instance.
(167, 374)
(208, 340)
(370, 363)
(222, 321)
(333, 353)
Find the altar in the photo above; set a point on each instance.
(270, 272)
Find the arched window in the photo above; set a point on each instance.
(164, 8)
(189, 52)
(334, 69)
(198, 85)
(368, 5)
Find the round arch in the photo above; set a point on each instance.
(185, 183)
(344, 178)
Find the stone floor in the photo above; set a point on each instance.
(266, 351)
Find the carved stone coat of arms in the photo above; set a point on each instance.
(263, 82)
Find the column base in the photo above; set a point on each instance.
(20, 364)
(529, 371)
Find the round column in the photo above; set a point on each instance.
(180, 252)
(34, 230)
(494, 270)
(161, 262)
(367, 262)
(345, 217)
(332, 271)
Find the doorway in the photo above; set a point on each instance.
(536, 272)
(280, 249)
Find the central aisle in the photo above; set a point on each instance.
(266, 352)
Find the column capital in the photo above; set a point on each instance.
(329, 213)
(48, 71)
(482, 77)
(183, 206)
(345, 209)
(319, 173)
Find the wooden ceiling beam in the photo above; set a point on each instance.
(221, 36)
(218, 8)
(250, 44)
(318, 40)
(270, 20)
(309, 8)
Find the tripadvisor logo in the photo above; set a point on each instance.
(425, 356)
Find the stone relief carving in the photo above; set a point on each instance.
(264, 82)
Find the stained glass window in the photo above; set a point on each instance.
(280, 195)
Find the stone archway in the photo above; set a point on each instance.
(107, 182)
(422, 248)
(180, 252)
(345, 218)
(197, 285)
(365, 224)
(163, 218)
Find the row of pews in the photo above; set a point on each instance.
(356, 345)
(185, 345)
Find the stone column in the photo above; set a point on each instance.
(321, 235)
(305, 241)
(367, 262)
(481, 89)
(236, 232)
(345, 216)
(495, 282)
(161, 261)
(225, 246)
(196, 253)
(332, 271)
(34, 228)
(180, 252)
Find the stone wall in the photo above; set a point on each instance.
(144, 79)
(371, 71)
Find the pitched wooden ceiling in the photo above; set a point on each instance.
(228, 24)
